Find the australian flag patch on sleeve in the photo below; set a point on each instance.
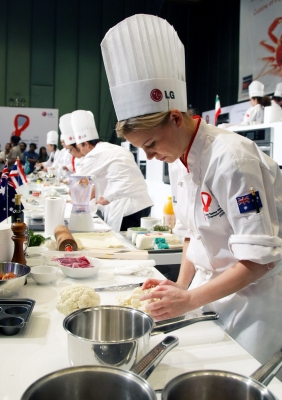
(248, 202)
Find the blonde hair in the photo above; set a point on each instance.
(144, 122)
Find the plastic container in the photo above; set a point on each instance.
(168, 213)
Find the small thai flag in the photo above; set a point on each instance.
(247, 202)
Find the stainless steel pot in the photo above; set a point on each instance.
(222, 385)
(116, 336)
(101, 382)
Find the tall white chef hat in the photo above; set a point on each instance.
(66, 129)
(52, 137)
(256, 89)
(83, 125)
(145, 65)
(278, 90)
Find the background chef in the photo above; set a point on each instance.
(52, 147)
(119, 184)
(69, 138)
(227, 193)
(258, 101)
(277, 96)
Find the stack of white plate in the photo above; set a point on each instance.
(6, 242)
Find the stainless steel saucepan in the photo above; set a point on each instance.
(115, 335)
(222, 385)
(101, 382)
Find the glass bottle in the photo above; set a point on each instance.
(17, 213)
(168, 213)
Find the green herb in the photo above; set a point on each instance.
(35, 240)
(161, 228)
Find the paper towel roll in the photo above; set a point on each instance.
(54, 213)
(6, 243)
(272, 114)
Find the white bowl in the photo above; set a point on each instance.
(43, 274)
(80, 273)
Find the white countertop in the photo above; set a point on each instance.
(41, 347)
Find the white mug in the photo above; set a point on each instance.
(148, 222)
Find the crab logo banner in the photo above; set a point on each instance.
(260, 45)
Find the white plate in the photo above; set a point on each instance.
(35, 251)
(80, 273)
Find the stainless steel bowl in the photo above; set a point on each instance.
(9, 287)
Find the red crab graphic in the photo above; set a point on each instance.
(274, 61)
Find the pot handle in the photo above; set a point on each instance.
(269, 369)
(172, 324)
(148, 363)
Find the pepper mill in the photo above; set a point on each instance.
(19, 238)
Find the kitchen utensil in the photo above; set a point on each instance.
(14, 315)
(101, 382)
(115, 335)
(80, 192)
(118, 287)
(213, 384)
(9, 287)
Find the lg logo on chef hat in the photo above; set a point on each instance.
(156, 95)
(140, 83)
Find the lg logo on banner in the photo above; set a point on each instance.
(157, 95)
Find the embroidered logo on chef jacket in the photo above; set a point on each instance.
(206, 201)
(247, 202)
(157, 95)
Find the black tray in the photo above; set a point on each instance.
(14, 314)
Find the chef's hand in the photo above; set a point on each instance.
(150, 283)
(103, 201)
(172, 301)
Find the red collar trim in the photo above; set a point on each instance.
(184, 159)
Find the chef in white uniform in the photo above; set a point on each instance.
(120, 187)
(75, 156)
(277, 96)
(52, 147)
(64, 158)
(255, 112)
(227, 194)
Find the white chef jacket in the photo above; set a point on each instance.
(118, 179)
(253, 114)
(64, 158)
(273, 103)
(223, 166)
(54, 156)
(77, 164)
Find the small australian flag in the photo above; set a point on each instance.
(247, 202)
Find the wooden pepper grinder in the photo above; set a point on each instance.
(19, 237)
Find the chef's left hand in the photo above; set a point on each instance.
(172, 302)
(103, 201)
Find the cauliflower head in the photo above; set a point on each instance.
(133, 299)
(74, 297)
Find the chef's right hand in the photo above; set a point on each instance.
(150, 283)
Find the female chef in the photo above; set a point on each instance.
(227, 194)
(258, 100)
(52, 146)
